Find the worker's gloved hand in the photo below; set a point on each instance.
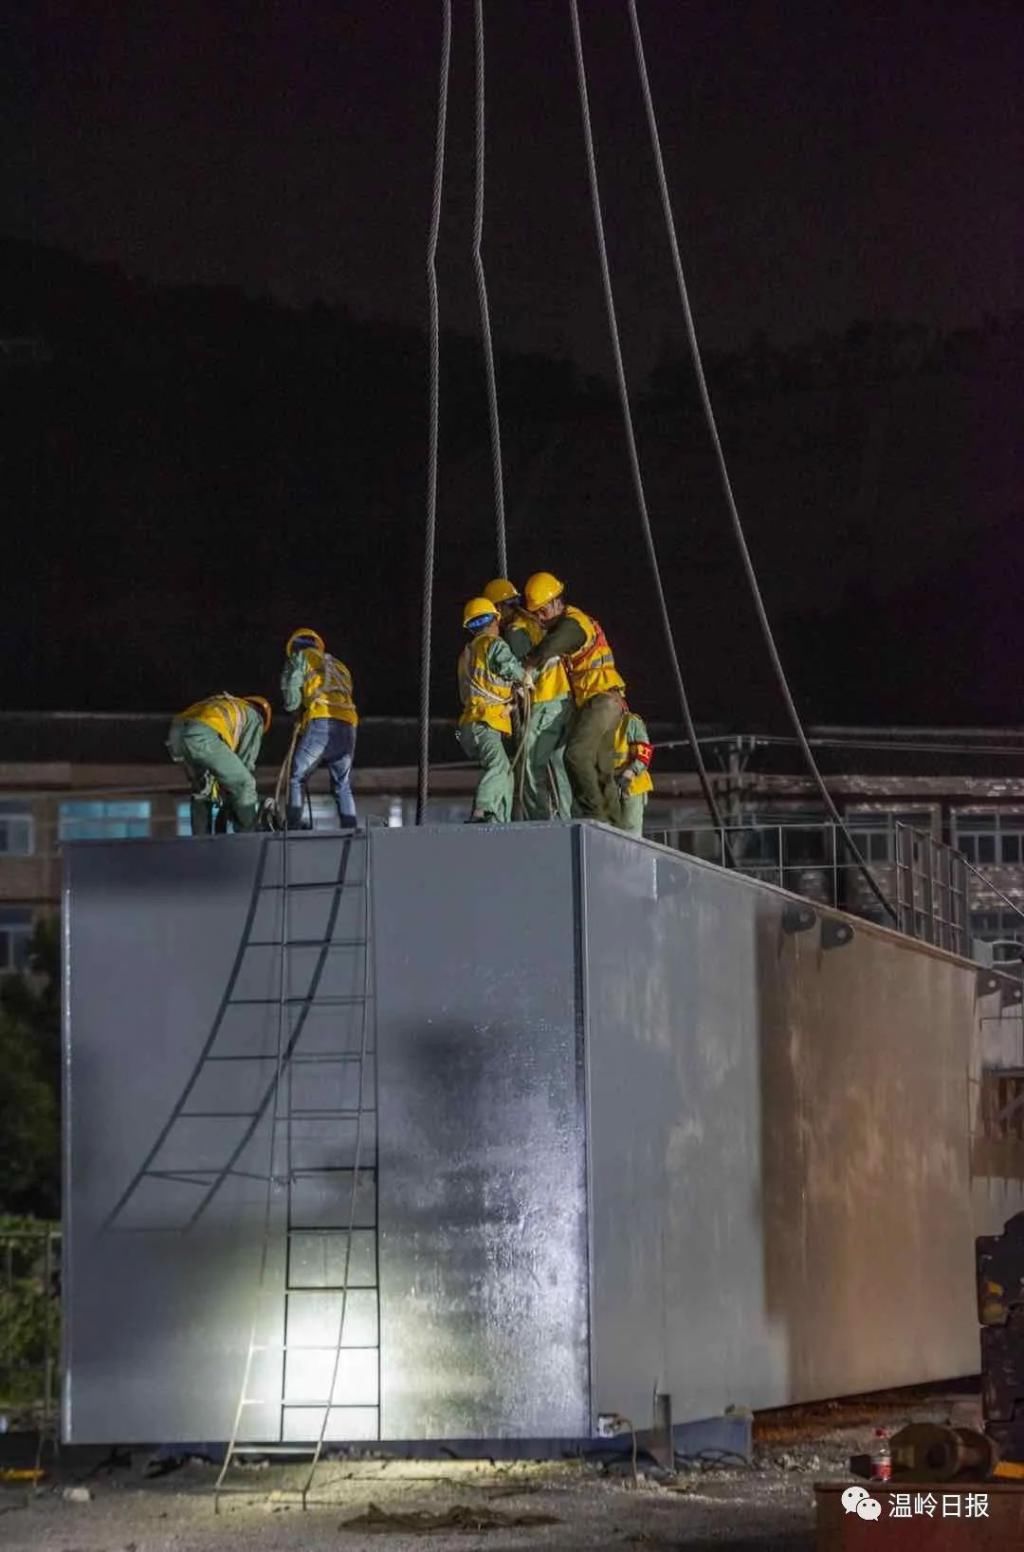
(529, 679)
(268, 817)
(625, 780)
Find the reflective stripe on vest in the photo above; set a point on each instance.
(223, 713)
(326, 688)
(625, 754)
(552, 681)
(592, 669)
(484, 697)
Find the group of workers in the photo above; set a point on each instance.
(539, 689)
(543, 713)
(218, 741)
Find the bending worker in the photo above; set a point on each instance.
(322, 686)
(546, 789)
(488, 673)
(633, 753)
(597, 689)
(218, 741)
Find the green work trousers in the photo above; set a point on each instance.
(590, 758)
(493, 797)
(207, 759)
(632, 813)
(545, 761)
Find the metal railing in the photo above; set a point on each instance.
(29, 1326)
(926, 880)
(932, 894)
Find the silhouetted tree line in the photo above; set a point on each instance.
(192, 472)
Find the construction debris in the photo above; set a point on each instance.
(461, 1517)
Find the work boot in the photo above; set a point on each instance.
(295, 819)
(245, 816)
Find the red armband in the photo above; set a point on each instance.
(642, 752)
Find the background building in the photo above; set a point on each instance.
(80, 776)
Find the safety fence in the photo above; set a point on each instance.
(927, 881)
(29, 1324)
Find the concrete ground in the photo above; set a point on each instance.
(458, 1506)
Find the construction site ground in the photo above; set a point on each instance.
(94, 1501)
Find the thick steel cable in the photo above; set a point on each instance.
(730, 499)
(435, 417)
(627, 416)
(481, 291)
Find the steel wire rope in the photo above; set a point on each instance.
(481, 291)
(435, 416)
(737, 526)
(627, 416)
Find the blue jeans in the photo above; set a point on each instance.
(326, 741)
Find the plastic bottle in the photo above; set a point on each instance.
(881, 1456)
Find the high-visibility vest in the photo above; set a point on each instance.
(326, 688)
(484, 697)
(627, 750)
(552, 682)
(592, 668)
(224, 713)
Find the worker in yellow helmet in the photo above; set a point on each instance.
(546, 790)
(633, 754)
(218, 741)
(597, 690)
(488, 674)
(319, 687)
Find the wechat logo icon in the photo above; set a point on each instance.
(857, 1500)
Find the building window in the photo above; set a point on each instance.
(119, 820)
(1003, 929)
(184, 818)
(15, 937)
(875, 833)
(17, 829)
(990, 838)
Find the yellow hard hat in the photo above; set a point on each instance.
(501, 591)
(477, 613)
(262, 705)
(307, 637)
(540, 589)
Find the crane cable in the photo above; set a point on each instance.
(627, 415)
(435, 414)
(709, 415)
(481, 291)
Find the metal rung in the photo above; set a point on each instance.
(290, 1061)
(192, 1176)
(332, 1169)
(308, 943)
(280, 1120)
(341, 1229)
(329, 883)
(325, 1115)
(304, 1001)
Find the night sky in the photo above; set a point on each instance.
(828, 163)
